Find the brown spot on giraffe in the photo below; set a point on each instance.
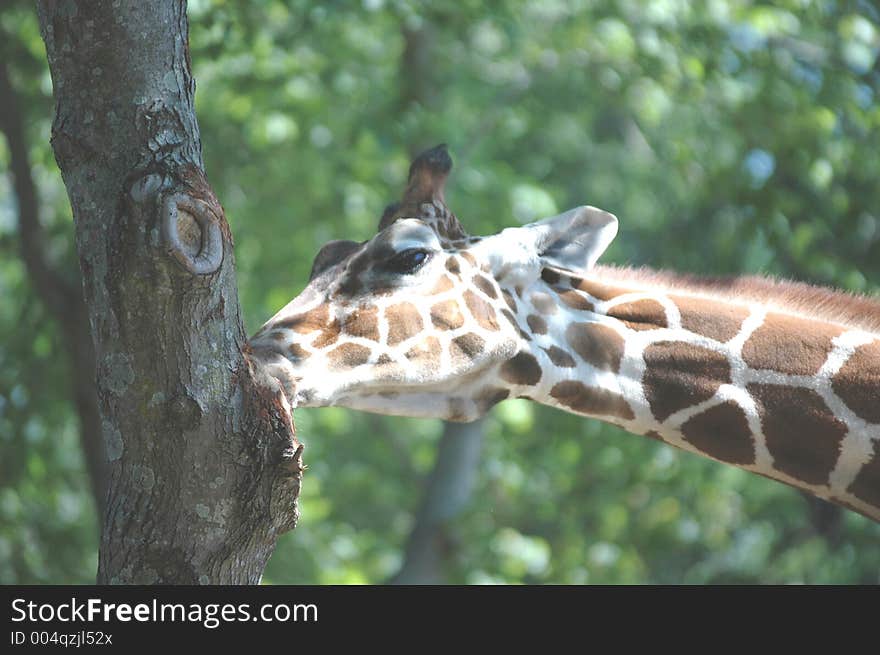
(680, 375)
(469, 258)
(466, 347)
(328, 335)
(536, 324)
(522, 369)
(858, 382)
(427, 350)
(348, 355)
(709, 318)
(384, 359)
(481, 310)
(508, 298)
(452, 265)
(573, 299)
(404, 322)
(314, 319)
(866, 486)
(297, 351)
(597, 344)
(559, 357)
(803, 436)
(598, 290)
(640, 314)
(591, 401)
(363, 322)
(790, 344)
(722, 432)
(549, 276)
(543, 303)
(445, 283)
(447, 315)
(484, 285)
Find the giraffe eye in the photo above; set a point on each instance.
(407, 261)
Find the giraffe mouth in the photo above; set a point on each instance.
(403, 398)
(413, 402)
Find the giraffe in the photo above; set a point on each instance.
(778, 378)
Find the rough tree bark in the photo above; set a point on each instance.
(62, 298)
(205, 469)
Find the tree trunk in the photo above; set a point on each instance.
(205, 469)
(448, 493)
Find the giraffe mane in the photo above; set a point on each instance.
(787, 296)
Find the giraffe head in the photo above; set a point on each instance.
(421, 320)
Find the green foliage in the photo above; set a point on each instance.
(728, 137)
(48, 529)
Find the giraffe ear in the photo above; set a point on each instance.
(574, 240)
(330, 254)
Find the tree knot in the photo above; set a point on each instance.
(191, 230)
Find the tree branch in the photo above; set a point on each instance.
(446, 495)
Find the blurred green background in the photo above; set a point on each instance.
(727, 136)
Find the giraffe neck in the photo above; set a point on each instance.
(739, 373)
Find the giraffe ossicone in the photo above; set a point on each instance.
(423, 320)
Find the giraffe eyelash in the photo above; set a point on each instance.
(407, 261)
